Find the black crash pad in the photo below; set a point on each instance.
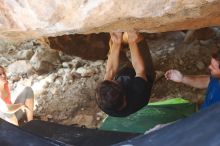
(11, 135)
(76, 136)
(200, 129)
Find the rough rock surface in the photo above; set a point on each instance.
(22, 19)
(92, 46)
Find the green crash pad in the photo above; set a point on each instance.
(161, 112)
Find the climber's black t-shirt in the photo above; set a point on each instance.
(137, 92)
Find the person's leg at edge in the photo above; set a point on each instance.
(27, 98)
(30, 104)
(12, 119)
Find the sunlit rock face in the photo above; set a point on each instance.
(23, 19)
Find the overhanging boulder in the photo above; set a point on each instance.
(34, 18)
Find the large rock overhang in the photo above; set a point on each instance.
(33, 18)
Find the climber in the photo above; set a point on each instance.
(127, 85)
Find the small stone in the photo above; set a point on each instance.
(81, 70)
(181, 62)
(97, 63)
(49, 116)
(170, 49)
(65, 65)
(58, 82)
(200, 65)
(16, 78)
(61, 71)
(25, 54)
(172, 44)
(54, 91)
(205, 42)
